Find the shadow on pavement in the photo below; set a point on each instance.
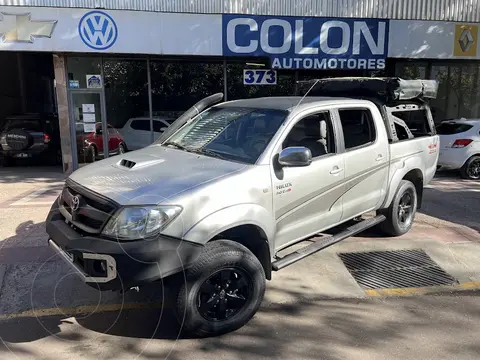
(416, 327)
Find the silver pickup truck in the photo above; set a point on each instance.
(209, 206)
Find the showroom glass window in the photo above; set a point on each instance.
(178, 84)
(126, 98)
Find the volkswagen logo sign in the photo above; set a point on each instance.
(75, 203)
(98, 30)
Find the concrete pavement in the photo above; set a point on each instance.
(427, 327)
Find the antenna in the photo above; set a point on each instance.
(304, 96)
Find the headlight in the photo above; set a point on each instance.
(140, 222)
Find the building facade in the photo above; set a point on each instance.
(132, 66)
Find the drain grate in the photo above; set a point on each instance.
(395, 269)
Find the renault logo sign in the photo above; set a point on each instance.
(20, 28)
(98, 30)
(466, 40)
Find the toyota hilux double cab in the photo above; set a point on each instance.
(228, 185)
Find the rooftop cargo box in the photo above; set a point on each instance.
(386, 89)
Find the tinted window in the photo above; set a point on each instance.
(452, 128)
(140, 125)
(358, 127)
(27, 124)
(314, 132)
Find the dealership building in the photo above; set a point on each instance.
(126, 64)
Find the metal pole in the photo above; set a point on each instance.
(103, 113)
(150, 104)
(225, 85)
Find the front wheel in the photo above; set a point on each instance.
(401, 213)
(471, 169)
(223, 290)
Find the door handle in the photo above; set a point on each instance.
(336, 171)
(379, 157)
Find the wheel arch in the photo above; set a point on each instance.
(254, 239)
(248, 224)
(414, 175)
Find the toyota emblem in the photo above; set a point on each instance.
(75, 203)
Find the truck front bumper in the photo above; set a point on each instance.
(108, 264)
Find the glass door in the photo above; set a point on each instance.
(88, 117)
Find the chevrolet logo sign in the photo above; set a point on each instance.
(20, 28)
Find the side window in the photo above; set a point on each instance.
(111, 130)
(314, 132)
(140, 125)
(358, 127)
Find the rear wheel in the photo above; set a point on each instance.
(401, 213)
(223, 290)
(90, 155)
(471, 169)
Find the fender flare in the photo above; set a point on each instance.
(398, 170)
(221, 220)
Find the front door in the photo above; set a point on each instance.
(366, 160)
(88, 122)
(309, 199)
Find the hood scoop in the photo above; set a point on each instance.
(135, 165)
(127, 163)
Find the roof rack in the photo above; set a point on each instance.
(385, 88)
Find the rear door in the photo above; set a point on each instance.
(366, 159)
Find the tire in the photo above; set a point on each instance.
(471, 169)
(122, 149)
(19, 139)
(90, 155)
(8, 161)
(222, 265)
(400, 222)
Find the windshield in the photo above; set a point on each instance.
(232, 133)
(452, 128)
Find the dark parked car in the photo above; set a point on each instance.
(30, 136)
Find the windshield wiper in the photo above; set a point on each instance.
(177, 145)
(211, 153)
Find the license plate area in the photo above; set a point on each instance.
(21, 155)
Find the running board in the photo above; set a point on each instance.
(325, 242)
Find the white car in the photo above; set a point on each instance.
(136, 131)
(460, 147)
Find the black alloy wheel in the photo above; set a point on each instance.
(224, 294)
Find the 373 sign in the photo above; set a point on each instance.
(259, 77)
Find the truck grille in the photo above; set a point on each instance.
(84, 209)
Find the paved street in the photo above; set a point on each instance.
(313, 309)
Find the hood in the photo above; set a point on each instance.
(151, 175)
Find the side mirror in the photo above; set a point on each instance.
(295, 156)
